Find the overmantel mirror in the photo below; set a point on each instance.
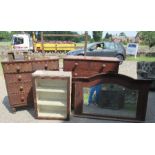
(111, 96)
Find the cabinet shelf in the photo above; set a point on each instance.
(48, 114)
(52, 111)
(52, 103)
(50, 90)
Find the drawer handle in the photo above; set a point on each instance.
(21, 88)
(22, 99)
(75, 74)
(76, 64)
(18, 68)
(46, 66)
(19, 78)
(104, 65)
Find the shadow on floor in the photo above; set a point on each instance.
(31, 111)
(6, 104)
(8, 107)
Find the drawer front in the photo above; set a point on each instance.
(17, 88)
(81, 73)
(17, 67)
(46, 65)
(18, 78)
(21, 99)
(89, 68)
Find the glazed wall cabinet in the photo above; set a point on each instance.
(52, 93)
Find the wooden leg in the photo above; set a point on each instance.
(68, 117)
(13, 109)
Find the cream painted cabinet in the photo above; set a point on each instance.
(52, 94)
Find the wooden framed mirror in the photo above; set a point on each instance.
(111, 96)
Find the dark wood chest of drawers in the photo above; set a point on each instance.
(89, 66)
(18, 78)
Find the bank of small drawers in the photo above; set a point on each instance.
(19, 88)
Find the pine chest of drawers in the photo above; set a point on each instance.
(18, 79)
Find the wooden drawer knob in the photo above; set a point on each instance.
(75, 74)
(76, 64)
(18, 68)
(21, 88)
(22, 99)
(19, 78)
(46, 66)
(104, 65)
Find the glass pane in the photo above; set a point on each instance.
(18, 41)
(110, 100)
(109, 45)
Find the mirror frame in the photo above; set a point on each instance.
(134, 84)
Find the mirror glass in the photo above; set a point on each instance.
(110, 100)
